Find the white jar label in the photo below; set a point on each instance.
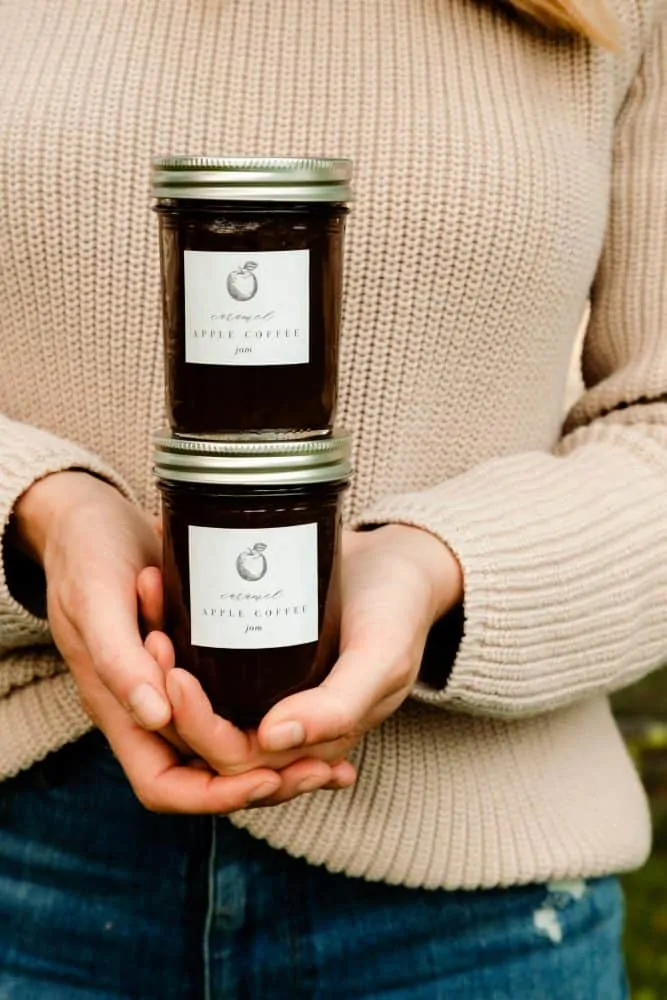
(247, 308)
(254, 588)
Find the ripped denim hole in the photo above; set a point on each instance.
(560, 894)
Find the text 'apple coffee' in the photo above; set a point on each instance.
(251, 262)
(252, 564)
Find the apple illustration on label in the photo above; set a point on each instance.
(242, 283)
(251, 564)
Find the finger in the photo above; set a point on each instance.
(335, 710)
(331, 753)
(151, 600)
(196, 791)
(343, 775)
(306, 775)
(111, 635)
(170, 734)
(161, 648)
(163, 784)
(227, 749)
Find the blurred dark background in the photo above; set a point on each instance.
(642, 713)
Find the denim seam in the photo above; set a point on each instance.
(210, 905)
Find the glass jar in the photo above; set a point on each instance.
(252, 565)
(251, 260)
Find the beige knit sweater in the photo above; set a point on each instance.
(501, 175)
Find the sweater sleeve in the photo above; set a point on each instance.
(26, 455)
(564, 554)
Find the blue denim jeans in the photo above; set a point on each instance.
(101, 900)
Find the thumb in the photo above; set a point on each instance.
(123, 664)
(334, 710)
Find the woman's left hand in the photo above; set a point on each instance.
(397, 581)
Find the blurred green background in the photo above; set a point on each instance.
(642, 713)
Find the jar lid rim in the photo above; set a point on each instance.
(341, 167)
(252, 462)
(338, 440)
(258, 178)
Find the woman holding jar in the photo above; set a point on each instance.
(453, 805)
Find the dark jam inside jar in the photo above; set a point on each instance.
(251, 306)
(252, 589)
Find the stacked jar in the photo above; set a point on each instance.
(252, 470)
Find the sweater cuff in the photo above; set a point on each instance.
(551, 549)
(27, 455)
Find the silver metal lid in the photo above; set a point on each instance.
(252, 463)
(237, 178)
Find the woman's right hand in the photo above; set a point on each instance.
(93, 545)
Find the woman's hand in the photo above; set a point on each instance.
(397, 581)
(93, 544)
(100, 555)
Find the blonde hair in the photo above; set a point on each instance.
(590, 18)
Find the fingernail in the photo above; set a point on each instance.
(263, 791)
(149, 708)
(285, 736)
(310, 784)
(345, 782)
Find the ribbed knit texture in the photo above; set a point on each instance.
(491, 160)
